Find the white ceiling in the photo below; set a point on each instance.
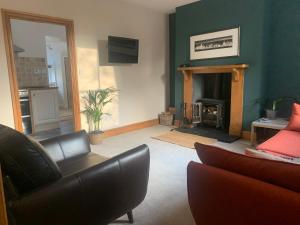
(165, 6)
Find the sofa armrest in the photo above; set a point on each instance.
(67, 146)
(97, 195)
(217, 196)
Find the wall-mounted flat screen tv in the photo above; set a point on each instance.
(123, 50)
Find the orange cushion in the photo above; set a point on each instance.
(286, 143)
(274, 172)
(294, 123)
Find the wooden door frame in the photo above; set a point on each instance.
(3, 214)
(7, 15)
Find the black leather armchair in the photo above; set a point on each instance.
(65, 184)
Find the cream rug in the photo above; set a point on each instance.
(184, 139)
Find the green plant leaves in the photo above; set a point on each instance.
(93, 103)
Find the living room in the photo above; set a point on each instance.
(220, 73)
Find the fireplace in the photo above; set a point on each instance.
(198, 112)
(211, 98)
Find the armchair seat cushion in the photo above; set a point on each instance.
(80, 163)
(294, 123)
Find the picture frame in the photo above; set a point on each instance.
(218, 44)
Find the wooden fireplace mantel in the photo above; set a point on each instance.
(237, 91)
(214, 69)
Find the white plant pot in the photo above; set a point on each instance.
(271, 114)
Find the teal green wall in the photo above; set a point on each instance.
(252, 16)
(172, 29)
(283, 75)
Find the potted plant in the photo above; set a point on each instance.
(94, 102)
(271, 113)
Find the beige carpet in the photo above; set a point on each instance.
(166, 202)
(183, 139)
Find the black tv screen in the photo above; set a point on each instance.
(123, 50)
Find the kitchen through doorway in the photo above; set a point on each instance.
(44, 78)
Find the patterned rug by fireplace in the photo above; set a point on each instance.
(184, 139)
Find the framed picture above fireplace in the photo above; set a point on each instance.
(215, 45)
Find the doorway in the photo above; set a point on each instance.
(43, 74)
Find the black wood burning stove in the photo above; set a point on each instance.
(212, 112)
(211, 107)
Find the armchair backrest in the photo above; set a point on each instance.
(67, 146)
(25, 161)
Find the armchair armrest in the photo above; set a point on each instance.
(97, 195)
(67, 146)
(217, 196)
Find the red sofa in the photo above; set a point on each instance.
(234, 189)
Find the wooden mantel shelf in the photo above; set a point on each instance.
(237, 72)
(214, 69)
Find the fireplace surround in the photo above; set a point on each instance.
(237, 72)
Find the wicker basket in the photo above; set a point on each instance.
(166, 119)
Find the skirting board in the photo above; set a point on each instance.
(131, 127)
(246, 135)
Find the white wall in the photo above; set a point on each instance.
(142, 87)
(55, 57)
(31, 36)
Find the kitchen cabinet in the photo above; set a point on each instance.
(44, 108)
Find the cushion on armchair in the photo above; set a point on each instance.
(25, 161)
(274, 172)
(294, 123)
